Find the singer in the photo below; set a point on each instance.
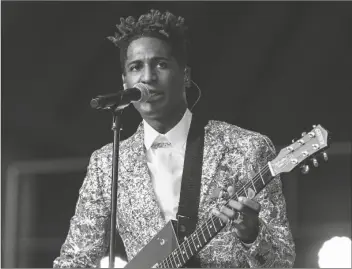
(157, 185)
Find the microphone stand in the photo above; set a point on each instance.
(116, 128)
(116, 111)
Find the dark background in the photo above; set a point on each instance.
(276, 68)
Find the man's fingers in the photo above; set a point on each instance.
(250, 203)
(222, 216)
(247, 207)
(238, 225)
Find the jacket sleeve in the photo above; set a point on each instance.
(87, 238)
(274, 245)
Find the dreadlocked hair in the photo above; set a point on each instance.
(165, 26)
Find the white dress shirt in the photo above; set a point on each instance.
(166, 164)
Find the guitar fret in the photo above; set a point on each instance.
(206, 225)
(174, 261)
(200, 243)
(182, 261)
(254, 186)
(261, 177)
(220, 221)
(236, 196)
(183, 252)
(190, 247)
(205, 240)
(167, 262)
(178, 264)
(212, 220)
(186, 243)
(245, 192)
(170, 262)
(194, 244)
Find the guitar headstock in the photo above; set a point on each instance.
(311, 144)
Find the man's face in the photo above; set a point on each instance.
(149, 61)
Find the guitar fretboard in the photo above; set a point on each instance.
(210, 228)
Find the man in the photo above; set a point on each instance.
(153, 52)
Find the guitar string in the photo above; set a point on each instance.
(178, 252)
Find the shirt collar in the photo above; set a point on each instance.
(177, 136)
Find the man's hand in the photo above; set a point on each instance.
(247, 225)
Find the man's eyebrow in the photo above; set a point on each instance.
(134, 61)
(161, 58)
(157, 58)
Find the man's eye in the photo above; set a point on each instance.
(162, 65)
(135, 67)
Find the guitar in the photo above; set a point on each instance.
(165, 250)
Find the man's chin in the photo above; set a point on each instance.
(149, 109)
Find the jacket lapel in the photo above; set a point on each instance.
(146, 211)
(214, 150)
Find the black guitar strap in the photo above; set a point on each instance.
(187, 215)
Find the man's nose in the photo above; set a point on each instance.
(148, 75)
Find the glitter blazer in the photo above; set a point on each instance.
(230, 154)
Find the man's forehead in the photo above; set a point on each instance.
(147, 48)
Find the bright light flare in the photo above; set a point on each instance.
(119, 263)
(335, 253)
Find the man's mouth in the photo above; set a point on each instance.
(154, 92)
(154, 95)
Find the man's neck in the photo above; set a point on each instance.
(167, 123)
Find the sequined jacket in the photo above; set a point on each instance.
(230, 154)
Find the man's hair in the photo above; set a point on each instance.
(165, 26)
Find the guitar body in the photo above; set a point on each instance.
(157, 249)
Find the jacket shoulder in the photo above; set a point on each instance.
(105, 150)
(232, 135)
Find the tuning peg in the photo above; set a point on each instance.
(305, 169)
(315, 162)
(314, 126)
(293, 141)
(301, 141)
(304, 133)
(325, 156)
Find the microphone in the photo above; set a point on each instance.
(121, 99)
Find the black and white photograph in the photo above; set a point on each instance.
(176, 134)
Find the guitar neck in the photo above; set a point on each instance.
(210, 228)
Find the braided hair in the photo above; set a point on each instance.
(165, 26)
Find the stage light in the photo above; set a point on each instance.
(335, 253)
(119, 263)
